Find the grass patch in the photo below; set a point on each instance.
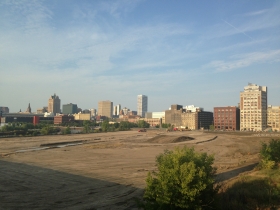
(259, 190)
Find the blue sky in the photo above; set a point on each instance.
(175, 52)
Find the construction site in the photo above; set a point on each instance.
(108, 170)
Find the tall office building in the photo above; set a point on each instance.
(117, 110)
(54, 104)
(105, 108)
(142, 105)
(93, 112)
(253, 108)
(69, 108)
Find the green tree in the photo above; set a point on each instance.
(184, 180)
(116, 125)
(212, 127)
(47, 130)
(164, 125)
(270, 154)
(143, 124)
(67, 130)
(105, 125)
(86, 125)
(124, 126)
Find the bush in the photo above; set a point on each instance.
(67, 130)
(270, 154)
(184, 180)
(259, 190)
(143, 124)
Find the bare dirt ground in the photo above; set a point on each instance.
(105, 170)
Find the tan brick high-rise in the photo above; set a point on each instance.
(273, 117)
(253, 108)
(54, 104)
(105, 108)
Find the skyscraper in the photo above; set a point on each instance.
(54, 104)
(105, 108)
(253, 108)
(117, 110)
(142, 105)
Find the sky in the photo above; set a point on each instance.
(182, 52)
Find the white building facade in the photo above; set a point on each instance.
(192, 108)
(142, 105)
(253, 108)
(116, 110)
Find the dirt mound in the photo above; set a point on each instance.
(164, 139)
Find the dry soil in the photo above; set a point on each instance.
(105, 170)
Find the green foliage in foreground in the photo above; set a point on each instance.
(164, 125)
(260, 190)
(143, 124)
(67, 130)
(184, 180)
(270, 154)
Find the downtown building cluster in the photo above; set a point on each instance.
(252, 113)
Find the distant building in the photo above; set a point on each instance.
(28, 110)
(93, 112)
(253, 108)
(273, 117)
(116, 110)
(142, 105)
(48, 114)
(173, 115)
(86, 111)
(125, 111)
(63, 119)
(54, 104)
(154, 118)
(148, 115)
(179, 117)
(23, 118)
(82, 116)
(105, 108)
(158, 114)
(192, 108)
(227, 118)
(205, 119)
(4, 109)
(69, 108)
(42, 110)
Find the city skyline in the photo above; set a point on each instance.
(188, 52)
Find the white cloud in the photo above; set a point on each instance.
(244, 60)
(255, 13)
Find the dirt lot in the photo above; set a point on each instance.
(105, 170)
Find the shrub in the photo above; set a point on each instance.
(259, 190)
(67, 130)
(184, 180)
(270, 154)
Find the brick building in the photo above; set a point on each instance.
(193, 119)
(63, 119)
(227, 118)
(173, 115)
